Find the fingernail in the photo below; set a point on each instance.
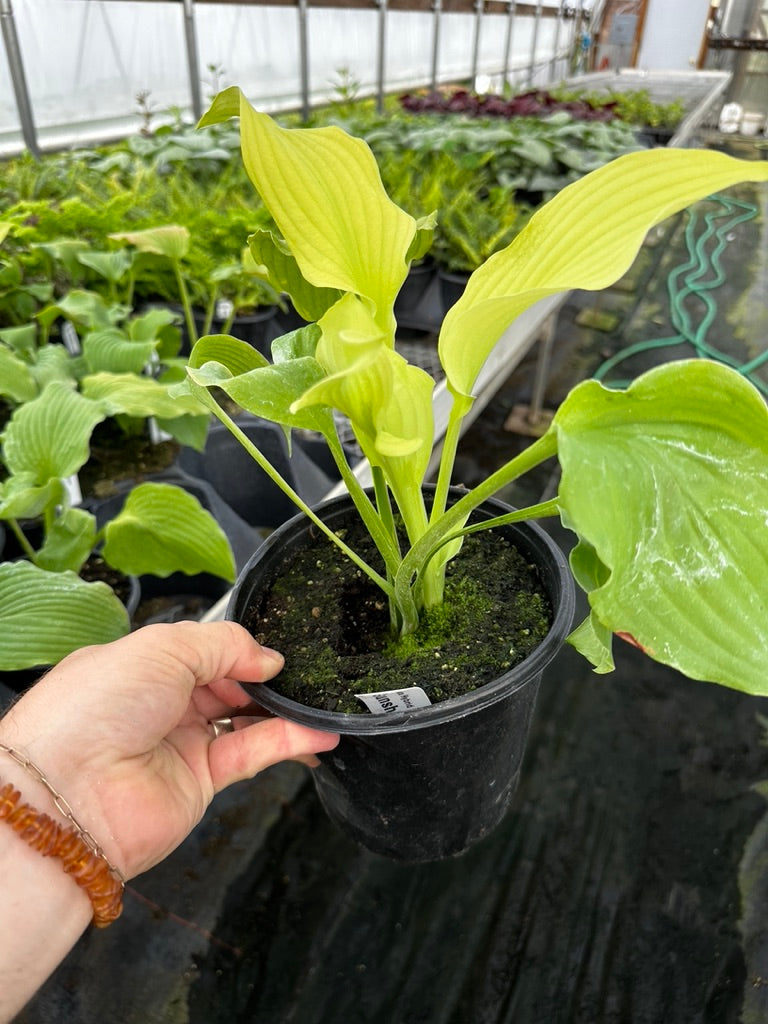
(273, 655)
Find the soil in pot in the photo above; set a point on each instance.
(333, 624)
(126, 588)
(115, 457)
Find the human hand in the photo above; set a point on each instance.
(123, 732)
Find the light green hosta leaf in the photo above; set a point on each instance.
(170, 240)
(111, 265)
(5, 227)
(136, 395)
(148, 326)
(271, 392)
(65, 251)
(237, 355)
(22, 339)
(16, 380)
(389, 403)
(191, 431)
(284, 275)
(324, 191)
(668, 493)
(111, 350)
(586, 237)
(88, 309)
(46, 615)
(54, 363)
(69, 542)
(21, 497)
(422, 240)
(296, 344)
(163, 529)
(50, 436)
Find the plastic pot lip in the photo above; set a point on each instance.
(538, 546)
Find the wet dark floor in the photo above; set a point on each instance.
(629, 883)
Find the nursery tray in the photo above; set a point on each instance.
(700, 92)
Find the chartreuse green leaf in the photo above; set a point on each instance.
(285, 276)
(237, 355)
(271, 391)
(68, 542)
(88, 309)
(16, 380)
(324, 192)
(111, 265)
(148, 326)
(50, 436)
(161, 529)
(667, 490)
(422, 240)
(170, 240)
(387, 400)
(46, 615)
(136, 395)
(22, 339)
(21, 497)
(586, 237)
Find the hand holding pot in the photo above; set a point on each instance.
(123, 732)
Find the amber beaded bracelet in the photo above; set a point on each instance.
(82, 860)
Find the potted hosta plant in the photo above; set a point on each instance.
(48, 605)
(233, 297)
(664, 485)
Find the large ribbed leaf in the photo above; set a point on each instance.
(50, 436)
(112, 351)
(271, 391)
(136, 395)
(668, 493)
(16, 380)
(586, 237)
(46, 615)
(163, 529)
(325, 194)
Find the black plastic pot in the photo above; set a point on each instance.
(413, 289)
(244, 486)
(258, 328)
(452, 285)
(177, 597)
(425, 784)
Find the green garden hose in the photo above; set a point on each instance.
(698, 277)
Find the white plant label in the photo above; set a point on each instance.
(70, 338)
(156, 433)
(387, 701)
(72, 488)
(224, 309)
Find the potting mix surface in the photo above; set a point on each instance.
(335, 622)
(627, 885)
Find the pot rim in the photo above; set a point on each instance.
(538, 546)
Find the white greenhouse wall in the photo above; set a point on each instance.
(85, 61)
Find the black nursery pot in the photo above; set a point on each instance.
(452, 286)
(426, 784)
